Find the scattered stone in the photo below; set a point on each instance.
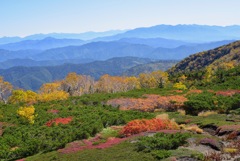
(214, 144)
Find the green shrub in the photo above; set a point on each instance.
(158, 144)
(199, 102)
(161, 154)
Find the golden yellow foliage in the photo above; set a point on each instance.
(163, 116)
(27, 113)
(56, 95)
(193, 128)
(207, 113)
(179, 86)
(50, 87)
(21, 96)
(77, 85)
(181, 112)
(154, 79)
(113, 84)
(132, 83)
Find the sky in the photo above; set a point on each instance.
(26, 17)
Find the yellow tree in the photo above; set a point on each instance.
(132, 83)
(208, 74)
(52, 91)
(113, 84)
(77, 85)
(154, 79)
(104, 84)
(147, 80)
(21, 96)
(55, 95)
(5, 90)
(27, 113)
(50, 87)
(179, 86)
(161, 78)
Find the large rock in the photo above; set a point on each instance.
(227, 129)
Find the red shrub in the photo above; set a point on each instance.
(227, 92)
(88, 144)
(59, 121)
(138, 126)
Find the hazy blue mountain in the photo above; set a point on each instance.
(191, 33)
(6, 40)
(83, 36)
(162, 65)
(184, 51)
(96, 50)
(107, 50)
(43, 44)
(34, 77)
(22, 54)
(155, 42)
(31, 63)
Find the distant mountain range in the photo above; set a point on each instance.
(44, 44)
(155, 42)
(36, 59)
(107, 50)
(21, 54)
(98, 51)
(83, 36)
(189, 33)
(31, 63)
(192, 33)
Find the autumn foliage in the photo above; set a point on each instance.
(27, 113)
(59, 121)
(143, 125)
(5, 90)
(180, 86)
(227, 92)
(21, 96)
(56, 95)
(150, 103)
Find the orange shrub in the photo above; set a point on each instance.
(59, 121)
(138, 126)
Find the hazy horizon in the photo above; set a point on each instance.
(111, 30)
(25, 17)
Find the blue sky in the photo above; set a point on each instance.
(25, 17)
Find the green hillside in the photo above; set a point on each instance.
(33, 77)
(150, 67)
(224, 56)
